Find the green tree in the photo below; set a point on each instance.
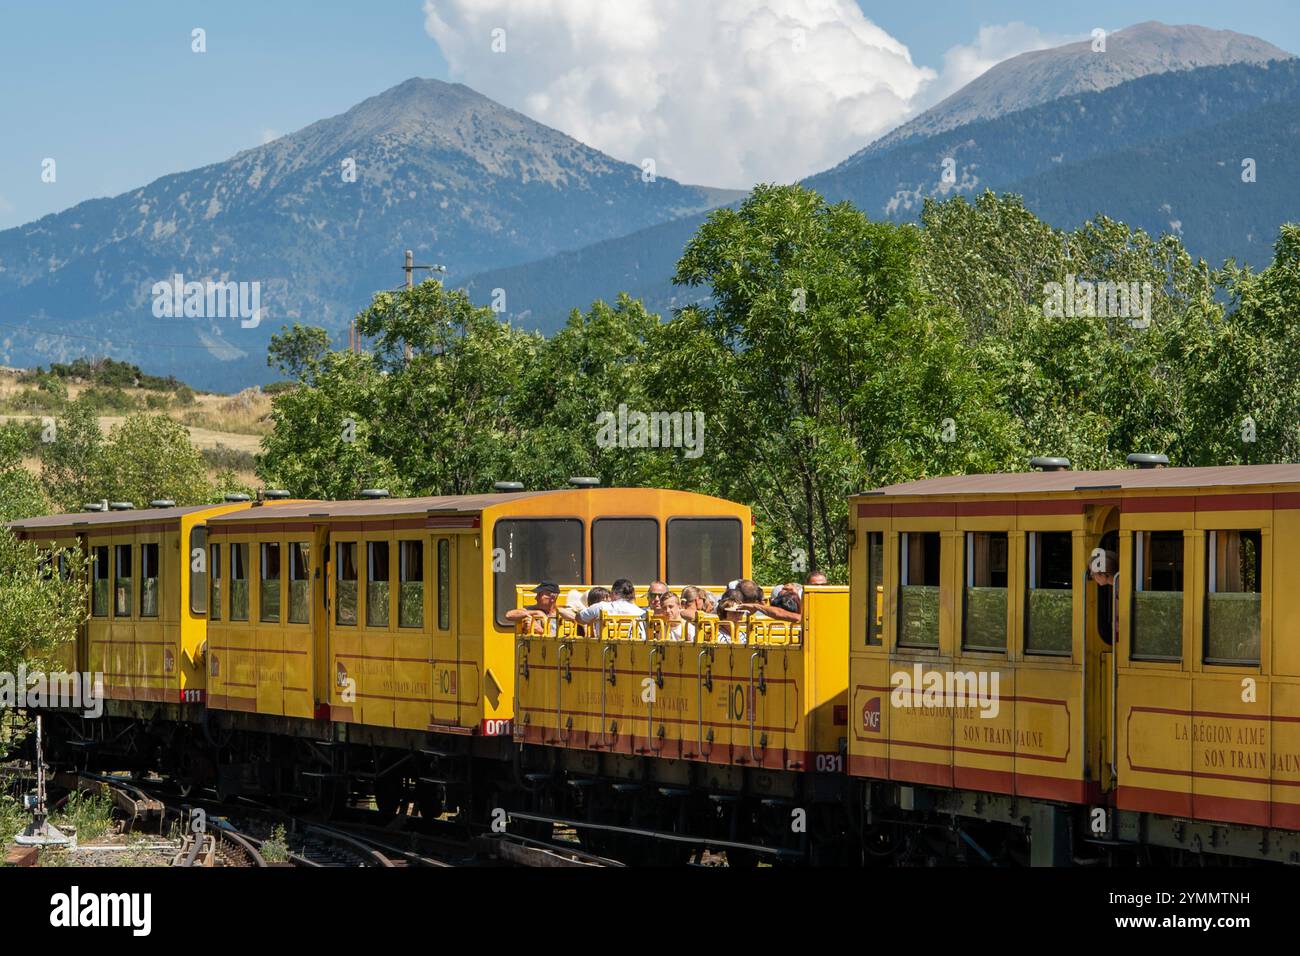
(150, 456)
(70, 464)
(824, 367)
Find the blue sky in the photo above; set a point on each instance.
(114, 94)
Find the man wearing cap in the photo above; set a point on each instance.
(540, 612)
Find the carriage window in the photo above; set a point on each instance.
(345, 588)
(239, 582)
(214, 578)
(99, 582)
(918, 590)
(122, 580)
(1232, 597)
(625, 548)
(377, 589)
(534, 551)
(444, 584)
(704, 551)
(198, 570)
(875, 588)
(1158, 595)
(984, 621)
(268, 599)
(299, 582)
(148, 580)
(1049, 597)
(410, 600)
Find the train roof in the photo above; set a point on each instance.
(1122, 479)
(106, 519)
(386, 507)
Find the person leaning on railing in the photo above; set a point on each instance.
(545, 609)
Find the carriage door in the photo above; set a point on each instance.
(1100, 629)
(447, 676)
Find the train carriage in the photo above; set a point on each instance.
(1138, 625)
(144, 630)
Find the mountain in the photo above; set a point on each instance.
(439, 169)
(1163, 153)
(1040, 76)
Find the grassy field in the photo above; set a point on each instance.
(227, 429)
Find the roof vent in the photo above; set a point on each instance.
(374, 494)
(237, 499)
(1050, 464)
(1149, 461)
(508, 486)
(120, 506)
(275, 494)
(585, 482)
(162, 503)
(93, 506)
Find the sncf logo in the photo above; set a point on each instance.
(871, 716)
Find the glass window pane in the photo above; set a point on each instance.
(984, 620)
(444, 584)
(214, 577)
(918, 592)
(299, 582)
(624, 548)
(704, 551)
(148, 580)
(1158, 595)
(198, 558)
(122, 580)
(1049, 619)
(239, 582)
(99, 588)
(269, 590)
(548, 550)
(1232, 597)
(875, 588)
(377, 589)
(410, 600)
(345, 588)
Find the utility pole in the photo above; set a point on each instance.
(409, 268)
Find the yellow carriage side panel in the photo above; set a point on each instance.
(825, 700)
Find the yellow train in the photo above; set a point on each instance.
(1034, 667)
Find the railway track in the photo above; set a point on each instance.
(245, 833)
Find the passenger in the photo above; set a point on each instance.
(658, 590)
(817, 579)
(696, 601)
(577, 601)
(752, 602)
(675, 627)
(787, 598)
(620, 603)
(732, 617)
(539, 613)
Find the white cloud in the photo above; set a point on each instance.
(720, 92)
(269, 135)
(966, 62)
